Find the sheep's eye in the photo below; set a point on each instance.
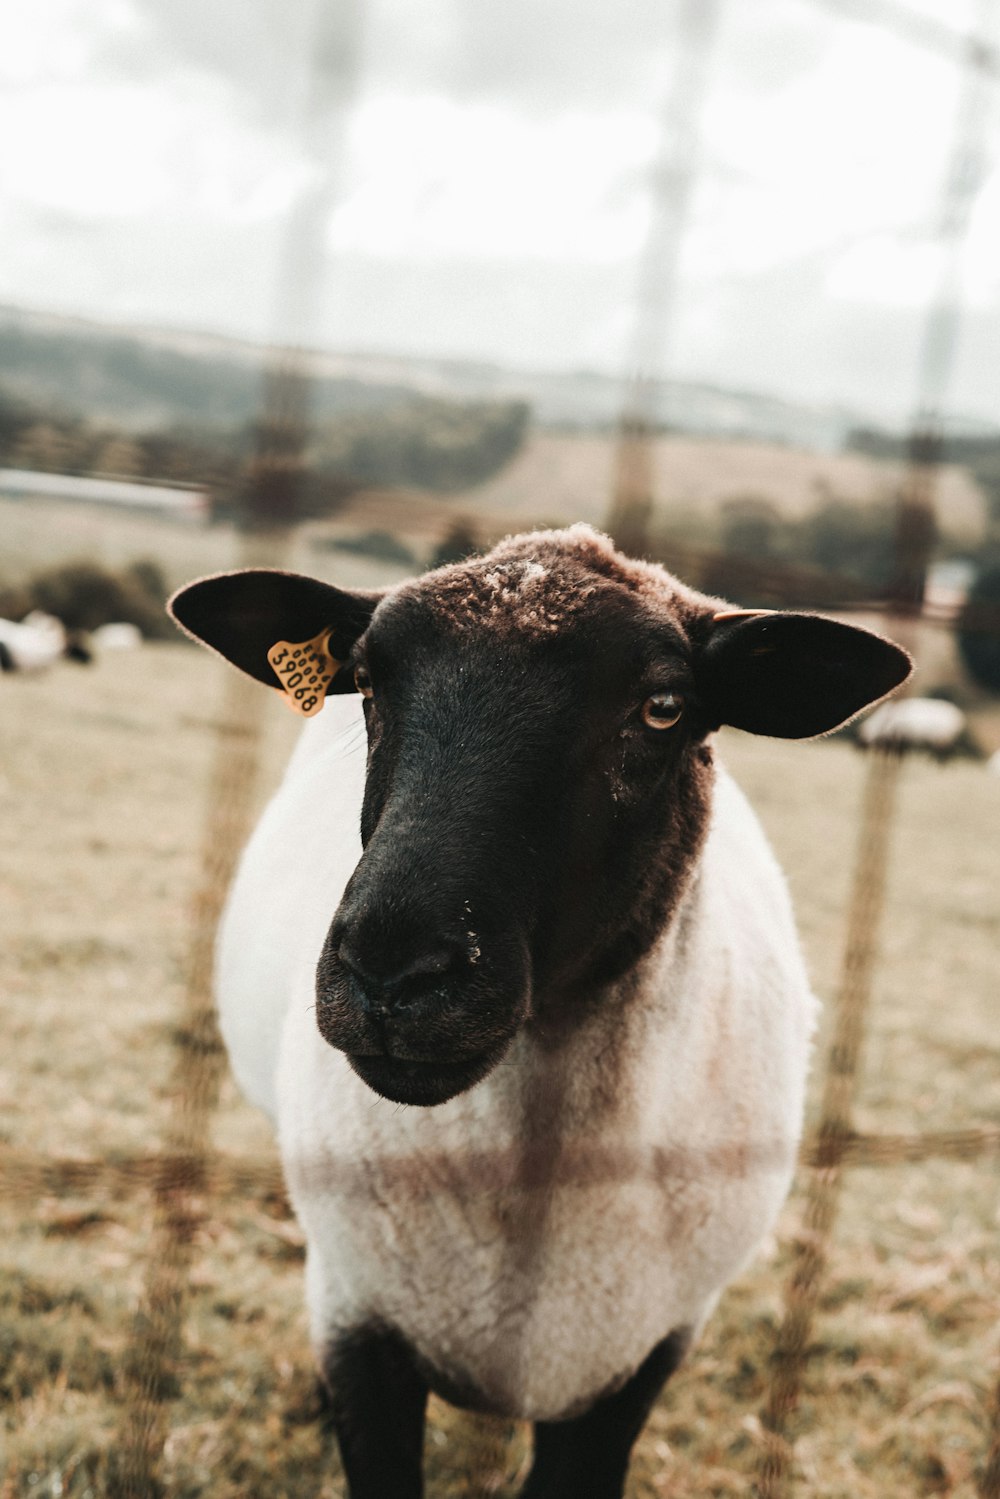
(662, 710)
(363, 681)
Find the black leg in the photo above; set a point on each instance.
(587, 1457)
(378, 1401)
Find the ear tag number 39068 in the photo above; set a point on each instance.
(305, 670)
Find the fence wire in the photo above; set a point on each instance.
(990, 1486)
(27, 1177)
(835, 1124)
(30, 1178)
(180, 1176)
(184, 1175)
(272, 501)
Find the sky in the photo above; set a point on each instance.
(473, 177)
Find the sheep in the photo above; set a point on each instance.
(926, 724)
(119, 635)
(32, 643)
(521, 987)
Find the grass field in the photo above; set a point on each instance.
(101, 806)
(556, 477)
(570, 475)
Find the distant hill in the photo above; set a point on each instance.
(137, 380)
(141, 378)
(79, 398)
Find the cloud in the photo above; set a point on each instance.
(495, 195)
(167, 268)
(543, 59)
(777, 329)
(434, 175)
(565, 54)
(265, 55)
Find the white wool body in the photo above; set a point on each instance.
(534, 1237)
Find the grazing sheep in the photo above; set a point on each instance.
(926, 724)
(542, 913)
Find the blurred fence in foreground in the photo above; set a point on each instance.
(185, 1176)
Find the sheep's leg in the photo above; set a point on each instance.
(378, 1401)
(587, 1457)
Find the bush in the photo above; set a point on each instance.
(979, 629)
(380, 544)
(752, 527)
(436, 444)
(838, 551)
(457, 543)
(85, 594)
(851, 540)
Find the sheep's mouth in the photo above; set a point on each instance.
(423, 1083)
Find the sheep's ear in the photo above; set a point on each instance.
(243, 614)
(794, 675)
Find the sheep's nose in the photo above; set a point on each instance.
(383, 985)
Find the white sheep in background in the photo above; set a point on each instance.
(38, 641)
(116, 636)
(540, 914)
(33, 643)
(926, 724)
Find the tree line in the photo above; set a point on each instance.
(839, 553)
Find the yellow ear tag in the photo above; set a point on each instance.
(305, 670)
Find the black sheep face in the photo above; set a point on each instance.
(539, 778)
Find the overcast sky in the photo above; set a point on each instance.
(483, 178)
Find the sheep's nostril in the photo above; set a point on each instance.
(385, 984)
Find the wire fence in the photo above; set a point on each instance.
(836, 1116)
(180, 1175)
(185, 1176)
(274, 484)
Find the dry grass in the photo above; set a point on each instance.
(569, 475)
(100, 812)
(40, 533)
(554, 479)
(562, 477)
